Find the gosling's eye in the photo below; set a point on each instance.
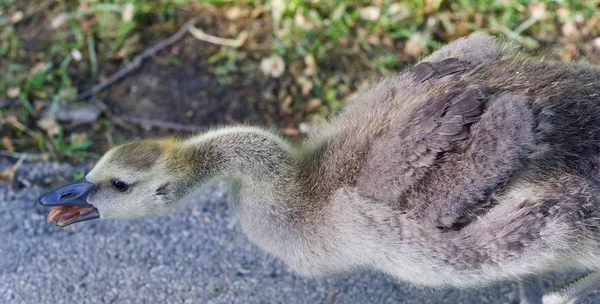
(120, 185)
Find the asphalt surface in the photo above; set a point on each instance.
(196, 254)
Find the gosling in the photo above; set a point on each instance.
(476, 165)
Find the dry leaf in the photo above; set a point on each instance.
(537, 10)
(343, 89)
(86, 24)
(236, 13)
(311, 65)
(37, 68)
(16, 17)
(370, 13)
(8, 144)
(313, 104)
(84, 6)
(8, 174)
(12, 120)
(569, 29)
(394, 8)
(305, 83)
(302, 22)
(127, 13)
(273, 66)
(286, 105)
(596, 43)
(562, 13)
(59, 20)
(291, 131)
(373, 40)
(49, 125)
(13, 92)
(417, 44)
(569, 51)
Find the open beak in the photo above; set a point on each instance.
(69, 204)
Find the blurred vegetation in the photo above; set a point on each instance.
(51, 50)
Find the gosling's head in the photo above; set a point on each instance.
(132, 180)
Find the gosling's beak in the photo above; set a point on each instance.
(70, 204)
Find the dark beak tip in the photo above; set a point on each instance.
(71, 194)
(48, 199)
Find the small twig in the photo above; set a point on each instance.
(137, 61)
(525, 25)
(201, 35)
(88, 155)
(513, 35)
(17, 124)
(29, 156)
(20, 161)
(163, 124)
(32, 10)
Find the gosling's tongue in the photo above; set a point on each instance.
(66, 213)
(69, 204)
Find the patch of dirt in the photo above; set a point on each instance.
(189, 93)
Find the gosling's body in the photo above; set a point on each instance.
(519, 196)
(474, 166)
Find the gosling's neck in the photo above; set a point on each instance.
(252, 159)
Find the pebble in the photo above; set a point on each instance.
(85, 114)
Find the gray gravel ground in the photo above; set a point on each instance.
(194, 255)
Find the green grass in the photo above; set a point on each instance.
(57, 49)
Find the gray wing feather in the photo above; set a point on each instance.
(404, 155)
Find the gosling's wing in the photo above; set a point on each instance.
(441, 117)
(406, 120)
(443, 121)
(465, 180)
(418, 114)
